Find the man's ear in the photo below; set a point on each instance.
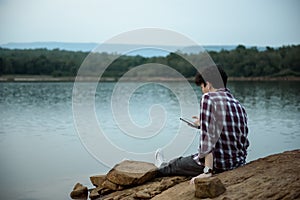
(208, 84)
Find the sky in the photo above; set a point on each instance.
(208, 22)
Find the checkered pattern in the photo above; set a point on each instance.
(223, 130)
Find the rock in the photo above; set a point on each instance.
(129, 173)
(105, 191)
(111, 186)
(170, 182)
(146, 190)
(97, 180)
(144, 194)
(208, 187)
(79, 192)
(95, 193)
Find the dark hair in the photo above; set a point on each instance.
(212, 74)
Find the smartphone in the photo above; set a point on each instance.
(190, 123)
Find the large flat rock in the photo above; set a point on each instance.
(129, 173)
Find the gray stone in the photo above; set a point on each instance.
(208, 187)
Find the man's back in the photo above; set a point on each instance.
(224, 129)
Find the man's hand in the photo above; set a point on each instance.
(197, 122)
(192, 181)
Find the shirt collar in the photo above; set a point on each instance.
(223, 90)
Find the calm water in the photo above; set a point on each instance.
(42, 156)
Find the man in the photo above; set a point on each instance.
(223, 131)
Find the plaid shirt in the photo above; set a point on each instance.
(223, 130)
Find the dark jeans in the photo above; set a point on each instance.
(182, 166)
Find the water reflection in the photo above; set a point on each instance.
(273, 109)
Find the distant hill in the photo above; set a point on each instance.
(109, 48)
(51, 45)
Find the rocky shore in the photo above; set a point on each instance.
(273, 177)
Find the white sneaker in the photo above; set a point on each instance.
(159, 157)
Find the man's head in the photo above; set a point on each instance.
(213, 76)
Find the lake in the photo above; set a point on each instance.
(43, 156)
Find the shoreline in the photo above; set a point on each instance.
(38, 78)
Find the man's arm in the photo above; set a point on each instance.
(209, 162)
(206, 126)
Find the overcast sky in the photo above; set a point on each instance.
(208, 22)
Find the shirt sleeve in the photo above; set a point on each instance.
(206, 144)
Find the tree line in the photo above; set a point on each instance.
(239, 62)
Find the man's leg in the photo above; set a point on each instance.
(184, 166)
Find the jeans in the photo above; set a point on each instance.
(182, 166)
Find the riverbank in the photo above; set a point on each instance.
(273, 177)
(37, 78)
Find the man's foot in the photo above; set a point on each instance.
(159, 158)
